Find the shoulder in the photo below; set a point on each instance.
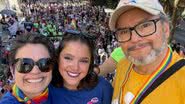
(180, 74)
(105, 91)
(8, 98)
(123, 64)
(121, 70)
(175, 58)
(124, 61)
(55, 90)
(103, 81)
(103, 84)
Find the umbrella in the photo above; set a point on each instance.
(7, 12)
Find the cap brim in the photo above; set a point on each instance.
(115, 15)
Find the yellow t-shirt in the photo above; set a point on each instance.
(171, 91)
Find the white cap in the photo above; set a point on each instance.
(151, 6)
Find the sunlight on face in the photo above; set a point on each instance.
(74, 63)
(151, 57)
(33, 83)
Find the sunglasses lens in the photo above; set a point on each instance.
(24, 65)
(45, 64)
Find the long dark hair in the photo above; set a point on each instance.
(91, 79)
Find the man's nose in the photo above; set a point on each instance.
(135, 36)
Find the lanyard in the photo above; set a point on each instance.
(160, 69)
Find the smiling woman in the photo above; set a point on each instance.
(32, 58)
(74, 81)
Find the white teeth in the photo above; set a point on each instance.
(35, 80)
(73, 74)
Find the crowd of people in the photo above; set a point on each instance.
(57, 48)
(53, 19)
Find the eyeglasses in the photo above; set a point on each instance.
(143, 30)
(25, 65)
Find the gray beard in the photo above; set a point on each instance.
(151, 57)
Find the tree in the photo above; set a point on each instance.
(174, 9)
(112, 3)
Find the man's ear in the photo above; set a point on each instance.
(166, 28)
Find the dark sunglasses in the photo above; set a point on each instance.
(25, 65)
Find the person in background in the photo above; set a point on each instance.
(142, 29)
(109, 65)
(75, 82)
(32, 57)
(28, 25)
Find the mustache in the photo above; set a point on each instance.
(132, 48)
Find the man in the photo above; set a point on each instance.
(142, 29)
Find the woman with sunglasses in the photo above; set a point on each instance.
(32, 57)
(75, 82)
